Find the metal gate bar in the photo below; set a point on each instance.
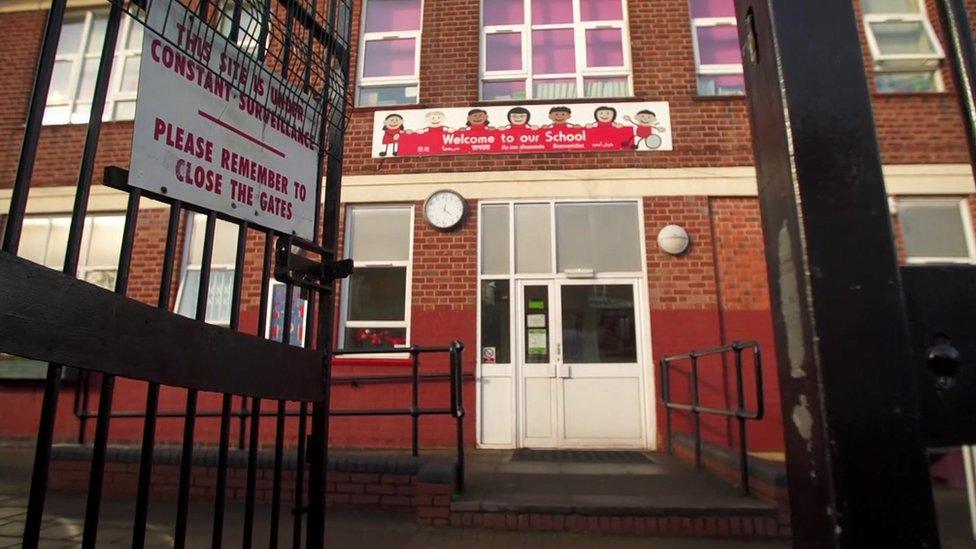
(333, 98)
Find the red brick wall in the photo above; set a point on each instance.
(913, 128)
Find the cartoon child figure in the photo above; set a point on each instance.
(606, 117)
(435, 122)
(392, 129)
(646, 123)
(478, 120)
(518, 121)
(560, 117)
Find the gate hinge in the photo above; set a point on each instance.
(294, 267)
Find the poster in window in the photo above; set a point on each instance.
(538, 342)
(296, 331)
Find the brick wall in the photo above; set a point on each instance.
(913, 128)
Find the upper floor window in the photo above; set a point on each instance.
(715, 38)
(44, 240)
(903, 45)
(376, 297)
(389, 52)
(554, 49)
(76, 67)
(249, 27)
(221, 270)
(937, 230)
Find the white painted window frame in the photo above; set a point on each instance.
(387, 81)
(83, 265)
(967, 226)
(905, 63)
(344, 323)
(78, 58)
(579, 41)
(712, 69)
(247, 38)
(187, 266)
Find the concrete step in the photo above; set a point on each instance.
(660, 497)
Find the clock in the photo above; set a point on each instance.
(444, 210)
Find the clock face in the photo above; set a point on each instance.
(444, 209)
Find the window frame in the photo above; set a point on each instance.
(344, 323)
(583, 71)
(967, 226)
(386, 81)
(905, 62)
(78, 59)
(712, 69)
(186, 267)
(84, 250)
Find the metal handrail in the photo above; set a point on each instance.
(739, 412)
(456, 408)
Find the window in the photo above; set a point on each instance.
(249, 28)
(376, 300)
(44, 240)
(389, 53)
(715, 38)
(552, 240)
(221, 270)
(937, 230)
(905, 51)
(554, 49)
(76, 67)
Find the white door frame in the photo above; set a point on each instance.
(556, 370)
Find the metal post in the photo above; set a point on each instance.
(330, 153)
(666, 397)
(415, 401)
(11, 242)
(227, 401)
(695, 412)
(959, 38)
(848, 386)
(457, 406)
(152, 392)
(96, 474)
(740, 415)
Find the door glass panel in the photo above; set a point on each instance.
(536, 321)
(598, 324)
(495, 322)
(533, 242)
(603, 236)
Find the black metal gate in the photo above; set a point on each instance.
(876, 363)
(54, 317)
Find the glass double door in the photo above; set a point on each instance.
(580, 364)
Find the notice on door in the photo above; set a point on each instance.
(215, 128)
(538, 343)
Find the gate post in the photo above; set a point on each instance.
(856, 462)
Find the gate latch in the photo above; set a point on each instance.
(296, 263)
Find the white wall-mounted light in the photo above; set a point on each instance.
(673, 239)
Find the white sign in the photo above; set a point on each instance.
(198, 139)
(530, 128)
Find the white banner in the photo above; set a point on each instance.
(197, 139)
(533, 128)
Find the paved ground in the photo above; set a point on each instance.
(62, 524)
